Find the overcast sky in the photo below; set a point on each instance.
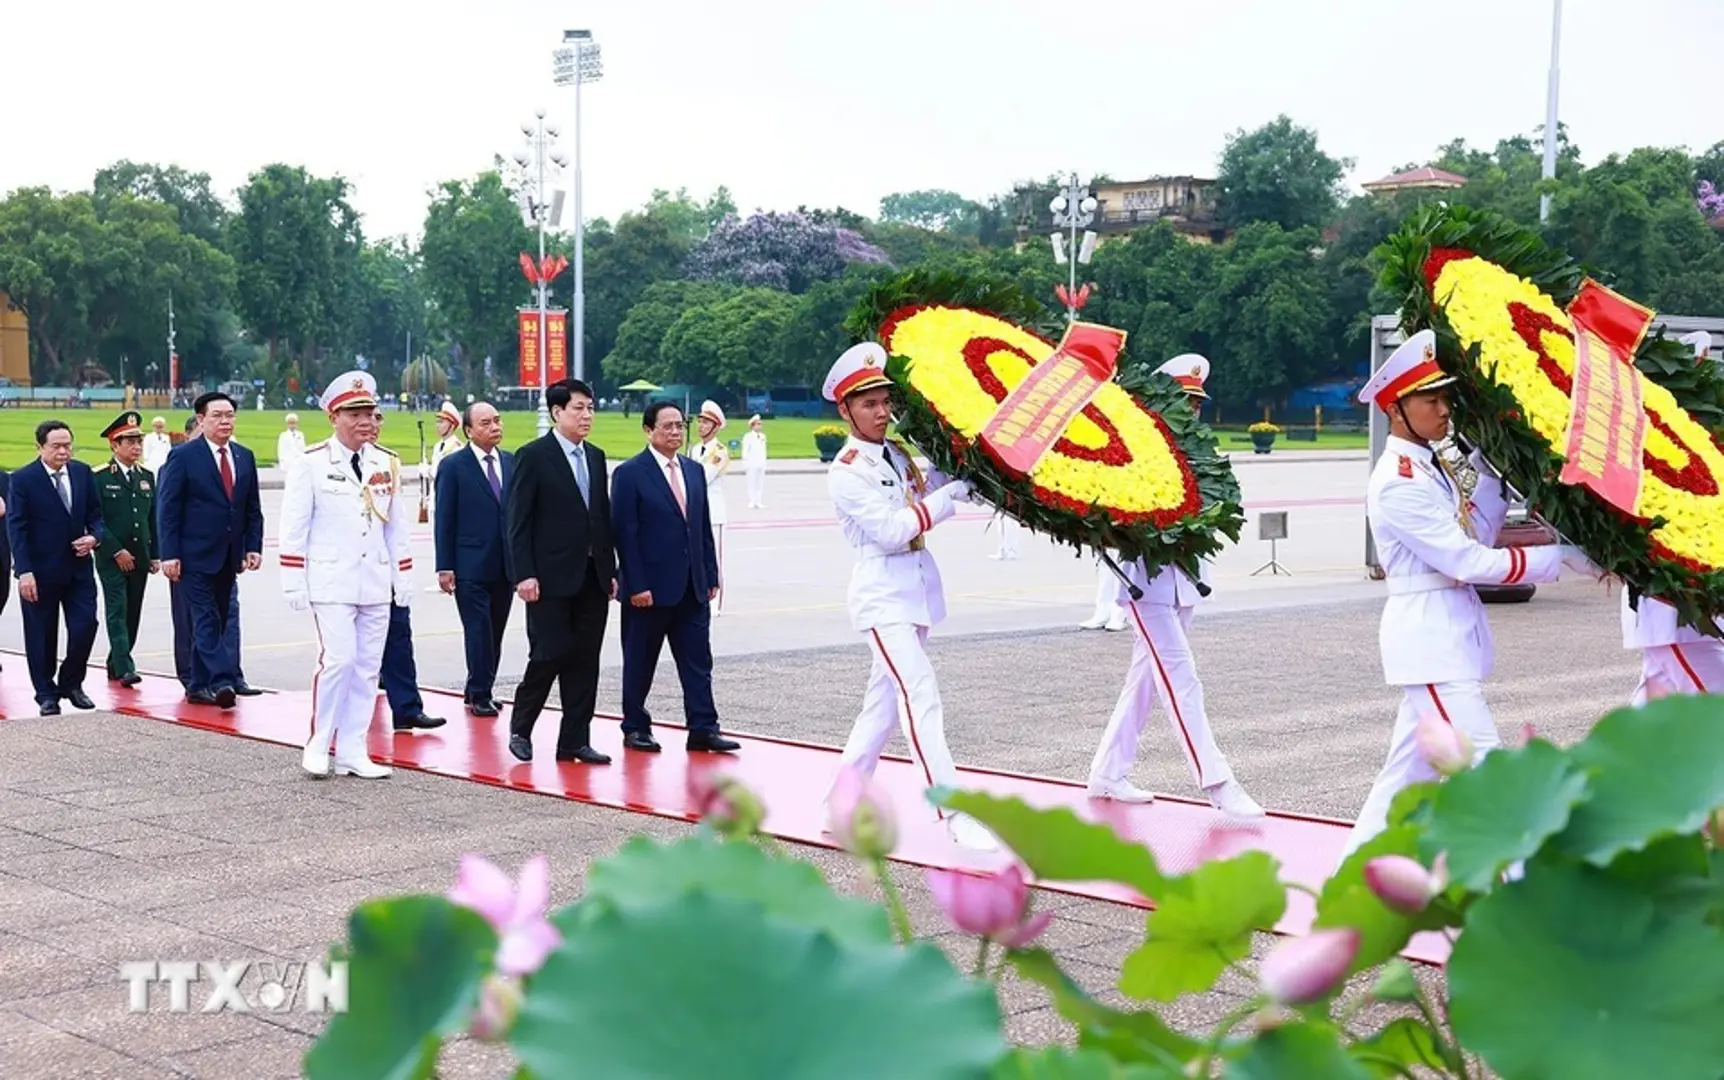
(819, 102)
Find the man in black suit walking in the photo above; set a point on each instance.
(470, 547)
(54, 522)
(668, 573)
(564, 570)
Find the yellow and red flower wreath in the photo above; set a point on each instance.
(1136, 471)
(1496, 296)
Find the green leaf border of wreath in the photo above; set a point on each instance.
(1488, 414)
(1182, 544)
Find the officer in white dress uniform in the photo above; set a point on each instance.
(714, 461)
(1162, 666)
(754, 463)
(886, 506)
(448, 422)
(156, 446)
(1674, 659)
(345, 554)
(290, 443)
(1434, 544)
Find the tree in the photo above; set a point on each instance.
(781, 251)
(813, 334)
(638, 353)
(1510, 178)
(1278, 173)
(296, 243)
(1270, 311)
(730, 340)
(935, 210)
(471, 251)
(644, 249)
(201, 214)
(1153, 286)
(687, 218)
(392, 304)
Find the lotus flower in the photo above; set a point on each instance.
(516, 910)
(995, 906)
(1444, 746)
(1403, 884)
(499, 1003)
(861, 819)
(725, 803)
(1309, 968)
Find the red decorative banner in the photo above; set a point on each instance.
(556, 346)
(529, 338)
(1607, 420)
(1037, 412)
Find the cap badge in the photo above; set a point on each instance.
(359, 384)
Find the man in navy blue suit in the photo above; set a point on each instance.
(54, 522)
(211, 530)
(470, 547)
(667, 578)
(182, 614)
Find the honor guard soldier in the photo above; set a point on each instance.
(1162, 665)
(345, 555)
(1434, 527)
(127, 555)
(1674, 659)
(714, 460)
(885, 507)
(448, 435)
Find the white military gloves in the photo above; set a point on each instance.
(1575, 562)
(298, 600)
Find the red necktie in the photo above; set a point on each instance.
(226, 471)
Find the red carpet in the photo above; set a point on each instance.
(792, 778)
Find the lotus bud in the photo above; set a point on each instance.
(499, 1003)
(725, 803)
(1310, 968)
(862, 819)
(1444, 747)
(1403, 884)
(995, 906)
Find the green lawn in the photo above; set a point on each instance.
(617, 435)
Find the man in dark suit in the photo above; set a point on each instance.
(53, 523)
(667, 570)
(470, 547)
(181, 609)
(557, 514)
(210, 523)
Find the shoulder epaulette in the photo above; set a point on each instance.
(1406, 467)
(104, 467)
(317, 446)
(847, 456)
(386, 450)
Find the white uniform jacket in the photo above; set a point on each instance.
(344, 542)
(1655, 624)
(288, 446)
(714, 461)
(884, 517)
(1434, 628)
(442, 450)
(754, 450)
(1170, 587)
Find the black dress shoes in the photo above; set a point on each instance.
(482, 706)
(712, 744)
(521, 748)
(642, 741)
(48, 708)
(200, 697)
(131, 679)
(247, 690)
(224, 696)
(418, 723)
(78, 698)
(586, 755)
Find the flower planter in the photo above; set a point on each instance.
(828, 446)
(1261, 441)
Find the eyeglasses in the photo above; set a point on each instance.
(672, 426)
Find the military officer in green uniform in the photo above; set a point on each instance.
(127, 555)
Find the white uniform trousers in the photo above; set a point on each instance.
(1108, 610)
(1695, 667)
(1161, 667)
(902, 692)
(1459, 703)
(756, 485)
(344, 691)
(1009, 532)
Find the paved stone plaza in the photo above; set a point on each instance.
(125, 839)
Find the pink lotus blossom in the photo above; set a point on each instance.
(995, 906)
(1444, 746)
(862, 819)
(499, 1003)
(725, 803)
(1309, 968)
(516, 910)
(1403, 884)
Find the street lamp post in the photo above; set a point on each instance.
(539, 162)
(576, 64)
(1550, 121)
(1073, 209)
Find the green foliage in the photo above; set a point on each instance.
(1297, 1051)
(712, 986)
(1183, 543)
(1202, 923)
(1502, 811)
(1058, 846)
(414, 965)
(1346, 900)
(1487, 412)
(474, 237)
(1278, 174)
(1136, 1036)
(1067, 1065)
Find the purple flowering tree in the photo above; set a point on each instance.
(779, 251)
(1710, 200)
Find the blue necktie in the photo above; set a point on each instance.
(580, 453)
